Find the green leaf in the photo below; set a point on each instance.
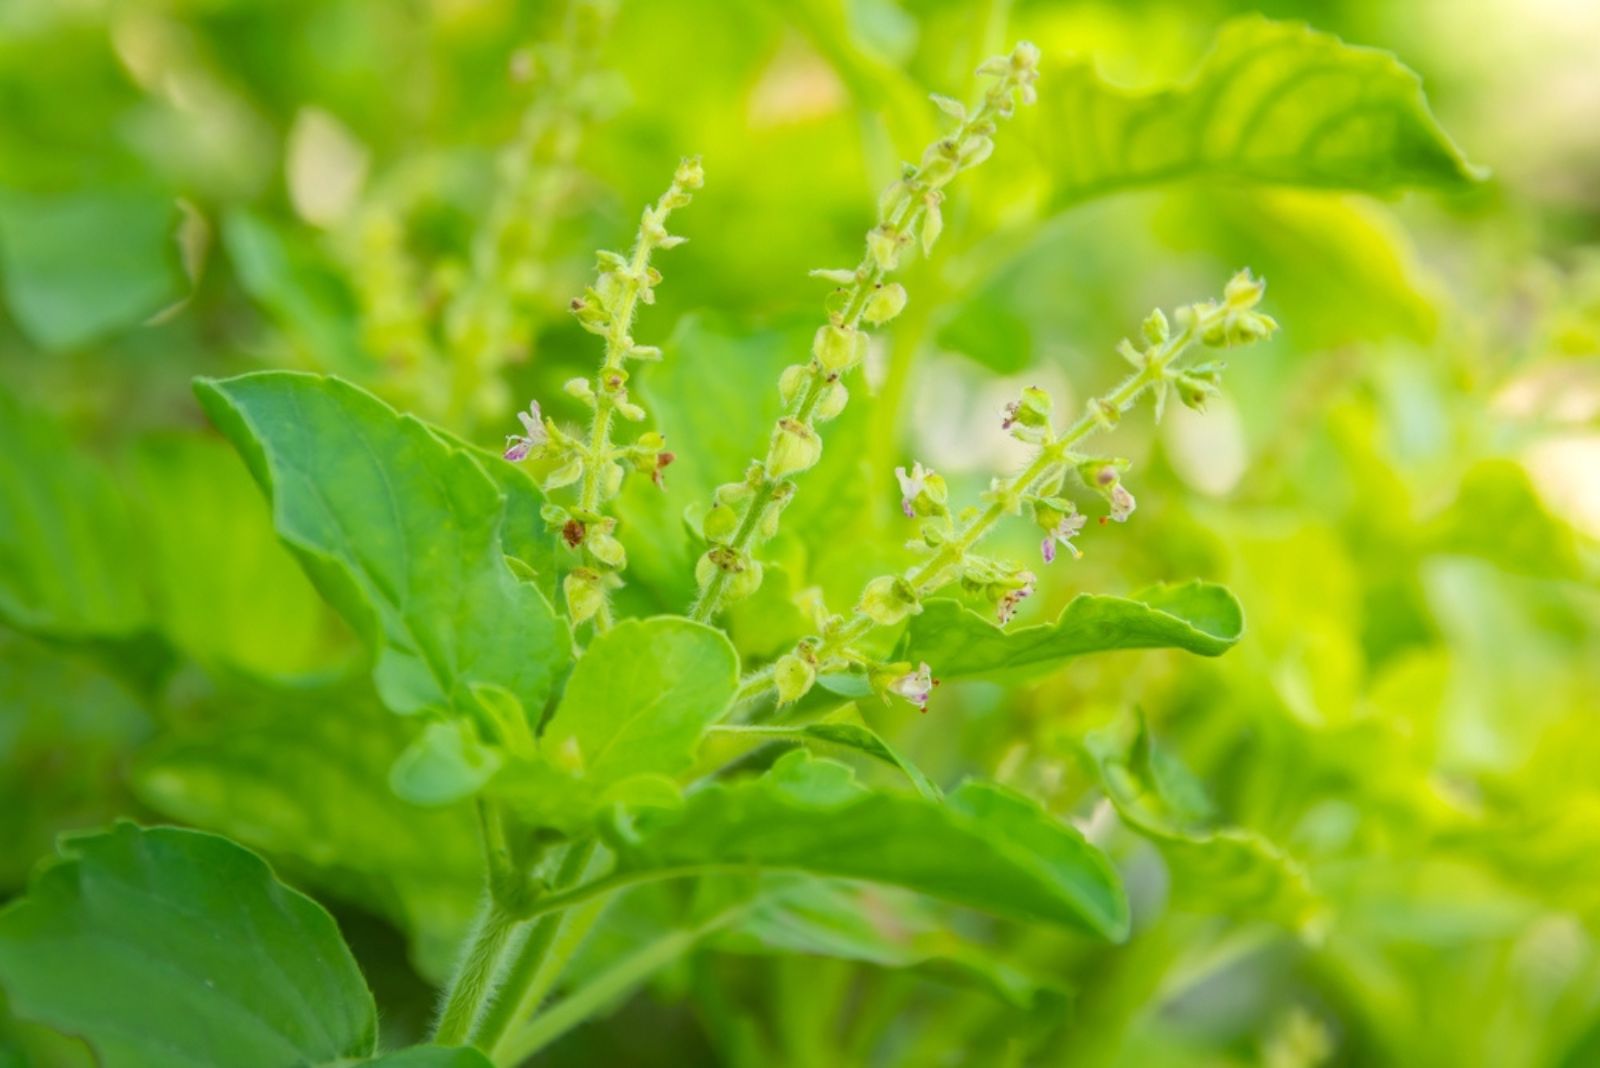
(402, 533)
(1498, 516)
(1198, 617)
(1226, 869)
(166, 947)
(434, 1057)
(225, 591)
(1272, 102)
(78, 266)
(303, 777)
(984, 847)
(64, 535)
(444, 764)
(877, 925)
(640, 698)
(843, 728)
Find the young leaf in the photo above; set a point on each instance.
(166, 947)
(640, 698)
(64, 533)
(1273, 102)
(984, 847)
(402, 533)
(1198, 617)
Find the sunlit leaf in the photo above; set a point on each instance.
(401, 532)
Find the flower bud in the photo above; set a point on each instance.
(792, 382)
(838, 348)
(884, 245)
(585, 594)
(1156, 329)
(795, 447)
(720, 523)
(690, 174)
(580, 388)
(885, 303)
(888, 599)
(793, 676)
(1028, 418)
(831, 402)
(1243, 292)
(607, 549)
(932, 221)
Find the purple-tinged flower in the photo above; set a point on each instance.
(1009, 601)
(1064, 531)
(1122, 503)
(915, 686)
(910, 486)
(518, 446)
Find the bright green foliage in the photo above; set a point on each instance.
(401, 532)
(1272, 102)
(1197, 617)
(984, 847)
(170, 947)
(78, 265)
(843, 729)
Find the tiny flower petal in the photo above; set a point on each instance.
(1047, 549)
(1122, 503)
(915, 686)
(1012, 598)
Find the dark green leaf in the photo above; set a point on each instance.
(402, 533)
(984, 847)
(167, 947)
(1198, 617)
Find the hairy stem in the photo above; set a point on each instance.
(474, 978)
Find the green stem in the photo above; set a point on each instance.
(474, 979)
(610, 985)
(518, 991)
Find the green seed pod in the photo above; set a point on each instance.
(888, 599)
(793, 676)
(838, 348)
(832, 401)
(795, 447)
(886, 302)
(585, 594)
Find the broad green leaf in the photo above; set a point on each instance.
(224, 590)
(77, 266)
(402, 533)
(843, 728)
(64, 535)
(1198, 617)
(303, 777)
(1272, 102)
(165, 947)
(1225, 869)
(640, 698)
(444, 764)
(983, 847)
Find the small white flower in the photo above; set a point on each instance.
(910, 486)
(915, 686)
(1122, 503)
(1012, 598)
(1069, 527)
(518, 446)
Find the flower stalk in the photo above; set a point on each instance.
(948, 544)
(745, 513)
(593, 460)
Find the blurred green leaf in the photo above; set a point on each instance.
(1272, 102)
(164, 946)
(984, 847)
(844, 729)
(401, 533)
(77, 266)
(225, 591)
(1198, 617)
(64, 535)
(1214, 868)
(311, 303)
(1497, 515)
(304, 776)
(434, 1057)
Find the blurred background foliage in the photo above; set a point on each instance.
(1367, 835)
